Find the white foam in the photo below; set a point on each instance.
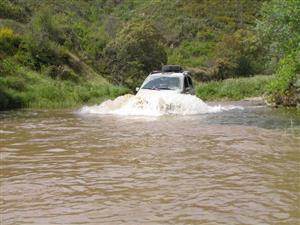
(154, 103)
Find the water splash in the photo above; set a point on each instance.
(154, 103)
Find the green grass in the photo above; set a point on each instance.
(28, 89)
(234, 89)
(57, 94)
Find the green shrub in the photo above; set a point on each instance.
(7, 67)
(223, 69)
(16, 83)
(24, 55)
(9, 41)
(237, 54)
(136, 51)
(12, 11)
(43, 51)
(10, 99)
(283, 90)
(45, 24)
(61, 72)
(234, 89)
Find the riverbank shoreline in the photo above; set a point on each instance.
(234, 88)
(246, 102)
(254, 101)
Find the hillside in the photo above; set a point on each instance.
(76, 42)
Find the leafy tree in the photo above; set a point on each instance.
(136, 51)
(285, 90)
(279, 27)
(280, 31)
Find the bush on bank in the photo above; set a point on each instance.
(234, 89)
(21, 87)
(285, 89)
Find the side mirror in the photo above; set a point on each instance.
(137, 89)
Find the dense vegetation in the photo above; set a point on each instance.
(279, 29)
(59, 52)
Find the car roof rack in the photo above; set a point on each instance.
(171, 68)
(155, 71)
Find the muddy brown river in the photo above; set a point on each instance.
(232, 167)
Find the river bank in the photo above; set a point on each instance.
(24, 88)
(234, 88)
(32, 90)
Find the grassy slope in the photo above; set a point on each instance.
(192, 31)
(22, 85)
(27, 88)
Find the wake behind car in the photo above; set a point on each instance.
(170, 78)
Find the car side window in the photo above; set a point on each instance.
(186, 83)
(190, 82)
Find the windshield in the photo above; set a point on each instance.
(162, 83)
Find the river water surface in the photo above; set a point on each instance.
(228, 167)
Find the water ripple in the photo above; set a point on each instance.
(58, 168)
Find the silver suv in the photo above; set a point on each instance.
(171, 78)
